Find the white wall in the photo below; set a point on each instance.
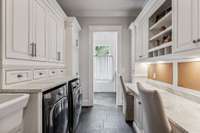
(85, 22)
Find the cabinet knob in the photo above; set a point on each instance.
(194, 41)
(198, 40)
(19, 76)
(40, 73)
(139, 103)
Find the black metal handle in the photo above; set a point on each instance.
(59, 56)
(35, 47)
(19, 76)
(31, 49)
(40, 73)
(77, 43)
(194, 41)
(139, 103)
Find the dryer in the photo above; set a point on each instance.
(55, 110)
(75, 100)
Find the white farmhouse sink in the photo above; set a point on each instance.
(11, 112)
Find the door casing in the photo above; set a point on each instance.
(103, 28)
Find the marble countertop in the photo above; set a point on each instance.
(185, 113)
(35, 87)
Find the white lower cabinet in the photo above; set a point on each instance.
(138, 115)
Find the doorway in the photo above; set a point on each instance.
(104, 66)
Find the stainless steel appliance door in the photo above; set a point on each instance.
(59, 116)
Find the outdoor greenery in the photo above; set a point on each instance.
(103, 50)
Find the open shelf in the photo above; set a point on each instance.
(160, 52)
(163, 21)
(161, 46)
(168, 29)
(160, 31)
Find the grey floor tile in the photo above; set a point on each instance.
(103, 117)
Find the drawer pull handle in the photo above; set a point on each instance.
(40, 73)
(19, 76)
(53, 72)
(61, 71)
(194, 41)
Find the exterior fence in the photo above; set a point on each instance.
(104, 67)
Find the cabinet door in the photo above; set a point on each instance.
(138, 114)
(133, 43)
(75, 57)
(138, 46)
(60, 41)
(185, 24)
(17, 29)
(145, 37)
(40, 30)
(51, 37)
(198, 19)
(141, 39)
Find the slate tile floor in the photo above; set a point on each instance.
(103, 117)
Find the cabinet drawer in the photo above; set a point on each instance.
(18, 76)
(40, 74)
(53, 72)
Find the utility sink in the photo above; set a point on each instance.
(11, 112)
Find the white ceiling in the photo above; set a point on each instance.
(102, 8)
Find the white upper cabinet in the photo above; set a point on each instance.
(40, 30)
(34, 31)
(18, 37)
(198, 20)
(138, 46)
(72, 47)
(60, 41)
(75, 54)
(141, 39)
(187, 24)
(52, 36)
